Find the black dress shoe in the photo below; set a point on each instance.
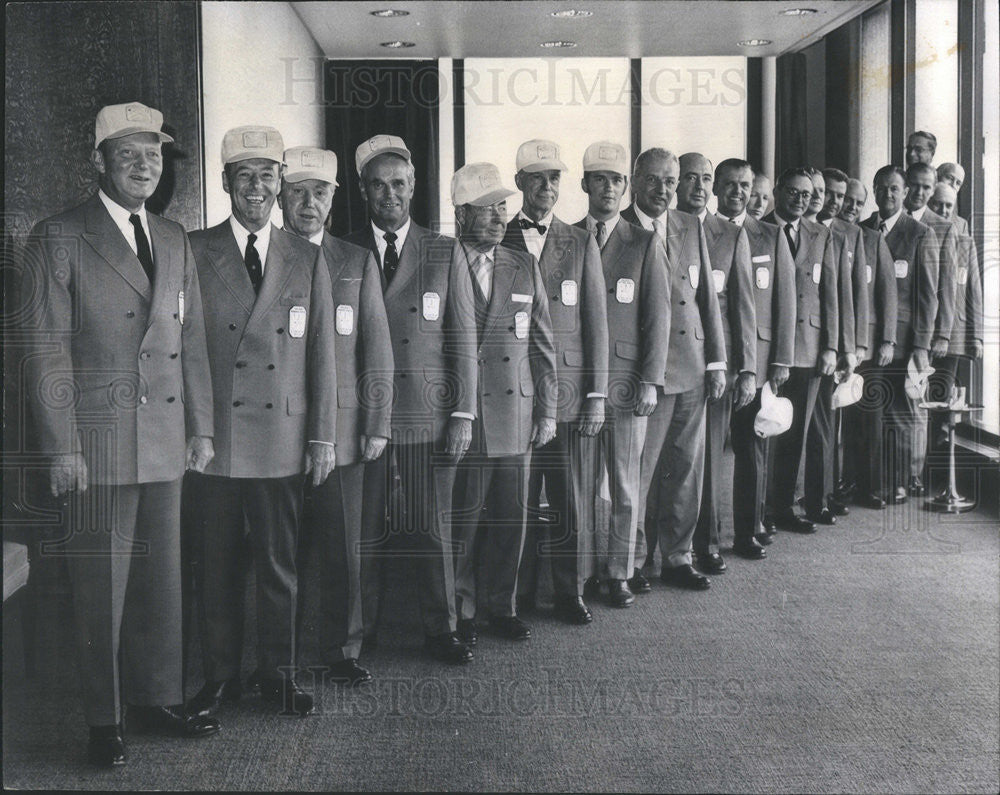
(916, 487)
(872, 501)
(844, 490)
(591, 588)
(467, 632)
(287, 694)
(448, 648)
(710, 562)
(348, 672)
(823, 517)
(684, 576)
(794, 523)
(106, 748)
(213, 694)
(764, 539)
(899, 496)
(509, 627)
(619, 594)
(174, 720)
(572, 610)
(750, 549)
(638, 583)
(837, 507)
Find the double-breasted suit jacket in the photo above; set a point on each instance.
(571, 268)
(273, 359)
(880, 291)
(968, 299)
(849, 252)
(947, 238)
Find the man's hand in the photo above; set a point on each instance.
(885, 353)
(827, 362)
(919, 357)
(68, 473)
(715, 384)
(861, 354)
(320, 460)
(845, 366)
(746, 388)
(939, 348)
(645, 404)
(459, 436)
(591, 416)
(779, 375)
(372, 447)
(200, 452)
(543, 432)
(977, 349)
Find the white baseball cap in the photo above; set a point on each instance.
(252, 141)
(606, 156)
(775, 414)
(849, 392)
(478, 184)
(308, 162)
(380, 145)
(117, 121)
(539, 155)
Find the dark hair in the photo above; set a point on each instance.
(886, 171)
(734, 163)
(926, 168)
(923, 134)
(789, 173)
(835, 175)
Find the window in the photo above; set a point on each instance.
(875, 129)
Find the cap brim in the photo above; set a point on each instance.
(492, 197)
(389, 150)
(239, 158)
(164, 138)
(547, 165)
(301, 176)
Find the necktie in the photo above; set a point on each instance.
(390, 262)
(660, 229)
(790, 234)
(882, 227)
(252, 260)
(482, 269)
(142, 250)
(601, 234)
(527, 223)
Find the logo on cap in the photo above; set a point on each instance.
(312, 160)
(545, 151)
(488, 180)
(138, 113)
(255, 139)
(607, 153)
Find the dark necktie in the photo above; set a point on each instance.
(601, 234)
(527, 223)
(791, 240)
(142, 250)
(252, 260)
(882, 227)
(390, 262)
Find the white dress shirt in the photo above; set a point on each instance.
(918, 214)
(736, 219)
(242, 234)
(890, 222)
(533, 239)
(609, 225)
(382, 245)
(647, 222)
(120, 216)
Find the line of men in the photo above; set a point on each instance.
(283, 396)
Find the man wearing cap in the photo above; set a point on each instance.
(428, 301)
(516, 404)
(774, 310)
(637, 291)
(729, 252)
(862, 469)
(673, 457)
(270, 327)
(914, 249)
(120, 389)
(333, 510)
(817, 336)
(570, 263)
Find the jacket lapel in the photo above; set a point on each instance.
(806, 236)
(277, 270)
(675, 236)
(557, 245)
(713, 229)
(163, 256)
(504, 270)
(227, 261)
(333, 259)
(409, 261)
(618, 242)
(107, 240)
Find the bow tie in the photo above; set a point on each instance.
(527, 223)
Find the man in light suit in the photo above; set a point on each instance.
(120, 391)
(333, 511)
(673, 458)
(920, 147)
(817, 336)
(729, 252)
(269, 323)
(862, 471)
(774, 310)
(915, 250)
(570, 263)
(428, 302)
(638, 298)
(516, 400)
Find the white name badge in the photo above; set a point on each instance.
(521, 325)
(180, 306)
(520, 298)
(762, 258)
(963, 275)
(902, 268)
(345, 319)
(625, 291)
(297, 322)
(432, 306)
(763, 278)
(868, 274)
(850, 255)
(817, 272)
(694, 274)
(570, 292)
(720, 280)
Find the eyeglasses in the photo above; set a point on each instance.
(802, 195)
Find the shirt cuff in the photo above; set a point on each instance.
(748, 372)
(596, 395)
(781, 364)
(716, 366)
(462, 415)
(317, 441)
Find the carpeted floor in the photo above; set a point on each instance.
(864, 658)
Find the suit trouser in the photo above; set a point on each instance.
(749, 472)
(863, 433)
(622, 439)
(818, 481)
(670, 476)
(331, 536)
(224, 515)
(419, 530)
(717, 417)
(124, 561)
(905, 427)
(568, 465)
(490, 516)
(801, 388)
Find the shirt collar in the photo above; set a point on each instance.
(546, 221)
(918, 214)
(119, 214)
(891, 221)
(609, 225)
(702, 214)
(647, 221)
(242, 234)
(828, 223)
(785, 222)
(401, 234)
(317, 239)
(737, 219)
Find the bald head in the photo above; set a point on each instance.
(695, 185)
(952, 174)
(855, 197)
(943, 200)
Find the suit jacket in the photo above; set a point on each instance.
(571, 267)
(363, 347)
(696, 335)
(274, 371)
(947, 238)
(638, 296)
(774, 296)
(880, 290)
(729, 252)
(961, 225)
(817, 285)
(914, 250)
(849, 252)
(430, 308)
(119, 368)
(968, 300)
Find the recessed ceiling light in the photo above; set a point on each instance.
(571, 13)
(798, 12)
(754, 42)
(552, 45)
(398, 45)
(388, 13)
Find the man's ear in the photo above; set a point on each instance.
(225, 181)
(97, 158)
(518, 181)
(460, 216)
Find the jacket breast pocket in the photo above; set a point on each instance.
(296, 404)
(528, 388)
(626, 350)
(573, 358)
(815, 321)
(699, 332)
(764, 333)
